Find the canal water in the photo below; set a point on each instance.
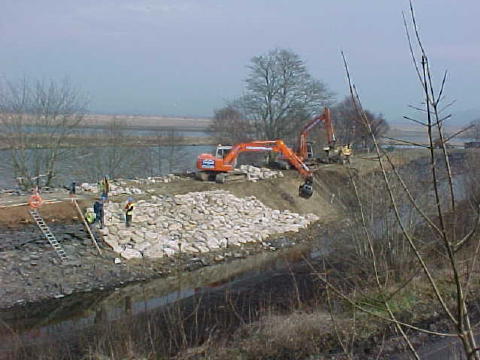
(250, 283)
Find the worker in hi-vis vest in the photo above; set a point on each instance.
(129, 212)
(90, 216)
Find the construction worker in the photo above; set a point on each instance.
(104, 188)
(90, 216)
(73, 188)
(129, 211)
(99, 212)
(347, 152)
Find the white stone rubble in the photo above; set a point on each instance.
(122, 187)
(196, 222)
(255, 173)
(118, 188)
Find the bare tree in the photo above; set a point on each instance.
(112, 153)
(168, 152)
(281, 94)
(37, 118)
(446, 252)
(350, 129)
(115, 151)
(230, 126)
(474, 131)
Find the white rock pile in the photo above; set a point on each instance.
(123, 187)
(89, 187)
(255, 173)
(120, 188)
(159, 179)
(196, 222)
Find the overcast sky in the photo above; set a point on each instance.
(186, 57)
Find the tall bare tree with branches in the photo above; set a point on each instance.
(350, 129)
(230, 126)
(168, 152)
(445, 256)
(36, 118)
(112, 153)
(281, 94)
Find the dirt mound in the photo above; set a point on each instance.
(276, 193)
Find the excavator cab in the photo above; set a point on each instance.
(222, 151)
(309, 150)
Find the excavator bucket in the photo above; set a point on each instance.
(305, 190)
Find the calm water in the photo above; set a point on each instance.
(130, 131)
(88, 164)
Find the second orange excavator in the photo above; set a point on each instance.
(304, 148)
(334, 153)
(211, 167)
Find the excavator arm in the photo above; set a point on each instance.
(326, 118)
(277, 146)
(210, 163)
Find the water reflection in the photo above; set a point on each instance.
(70, 315)
(88, 164)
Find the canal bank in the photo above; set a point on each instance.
(288, 280)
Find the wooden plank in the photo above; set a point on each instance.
(86, 225)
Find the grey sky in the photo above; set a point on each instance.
(186, 57)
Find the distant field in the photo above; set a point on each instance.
(150, 122)
(418, 135)
(193, 123)
(408, 127)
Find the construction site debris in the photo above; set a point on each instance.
(255, 173)
(196, 222)
(122, 187)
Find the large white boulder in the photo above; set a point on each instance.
(154, 252)
(131, 254)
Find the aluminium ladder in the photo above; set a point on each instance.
(48, 234)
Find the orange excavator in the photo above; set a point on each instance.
(304, 148)
(211, 167)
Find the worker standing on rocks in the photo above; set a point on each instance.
(104, 188)
(99, 212)
(129, 211)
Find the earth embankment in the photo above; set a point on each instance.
(30, 270)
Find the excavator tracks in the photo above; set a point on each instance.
(222, 178)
